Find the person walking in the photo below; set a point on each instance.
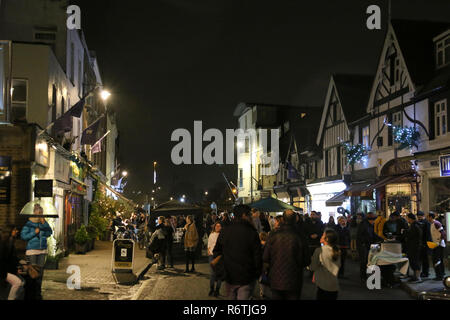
(331, 223)
(240, 247)
(158, 243)
(413, 241)
(214, 283)
(438, 237)
(283, 257)
(325, 263)
(35, 232)
(169, 230)
(191, 239)
(313, 230)
(343, 233)
(426, 237)
(9, 262)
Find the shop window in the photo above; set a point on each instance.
(19, 100)
(366, 136)
(440, 118)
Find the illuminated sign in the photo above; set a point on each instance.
(444, 164)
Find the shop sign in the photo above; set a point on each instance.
(43, 189)
(123, 254)
(444, 164)
(5, 179)
(398, 167)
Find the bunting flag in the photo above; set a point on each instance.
(89, 136)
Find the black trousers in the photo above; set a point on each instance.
(343, 257)
(438, 255)
(169, 256)
(363, 253)
(326, 295)
(190, 257)
(285, 295)
(424, 252)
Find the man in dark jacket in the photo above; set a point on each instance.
(365, 237)
(314, 229)
(343, 233)
(283, 255)
(413, 242)
(426, 236)
(240, 247)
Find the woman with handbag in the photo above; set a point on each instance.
(190, 242)
(211, 244)
(35, 232)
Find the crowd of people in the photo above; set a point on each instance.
(276, 251)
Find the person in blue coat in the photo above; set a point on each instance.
(35, 232)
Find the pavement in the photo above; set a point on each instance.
(174, 284)
(97, 280)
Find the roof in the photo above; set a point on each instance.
(353, 91)
(415, 39)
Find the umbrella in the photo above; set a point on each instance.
(47, 206)
(272, 205)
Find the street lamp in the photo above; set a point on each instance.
(125, 173)
(206, 193)
(105, 94)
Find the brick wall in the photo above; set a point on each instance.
(18, 143)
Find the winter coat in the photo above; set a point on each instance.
(284, 255)
(426, 233)
(366, 235)
(379, 225)
(343, 236)
(314, 227)
(324, 279)
(36, 241)
(413, 239)
(158, 240)
(191, 236)
(241, 249)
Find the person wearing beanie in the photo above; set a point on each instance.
(413, 242)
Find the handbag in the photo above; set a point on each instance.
(34, 271)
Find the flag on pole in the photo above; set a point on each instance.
(77, 109)
(97, 148)
(64, 124)
(292, 171)
(89, 136)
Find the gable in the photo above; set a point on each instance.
(392, 78)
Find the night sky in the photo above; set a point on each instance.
(171, 62)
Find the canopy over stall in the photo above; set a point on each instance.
(272, 205)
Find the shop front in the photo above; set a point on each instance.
(398, 187)
(327, 197)
(294, 194)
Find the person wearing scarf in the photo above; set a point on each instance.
(325, 264)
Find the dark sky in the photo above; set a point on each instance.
(171, 62)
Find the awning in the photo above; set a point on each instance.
(359, 190)
(390, 180)
(337, 200)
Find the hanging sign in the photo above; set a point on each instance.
(444, 164)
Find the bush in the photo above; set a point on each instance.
(92, 232)
(81, 236)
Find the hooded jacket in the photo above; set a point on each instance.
(36, 241)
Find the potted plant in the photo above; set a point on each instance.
(81, 240)
(52, 262)
(92, 233)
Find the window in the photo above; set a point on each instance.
(366, 136)
(443, 52)
(19, 100)
(440, 118)
(397, 119)
(80, 79)
(241, 178)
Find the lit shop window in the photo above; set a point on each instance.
(366, 136)
(440, 118)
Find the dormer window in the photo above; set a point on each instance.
(443, 51)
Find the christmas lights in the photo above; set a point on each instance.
(355, 153)
(406, 137)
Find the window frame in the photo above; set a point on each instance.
(441, 46)
(22, 103)
(440, 118)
